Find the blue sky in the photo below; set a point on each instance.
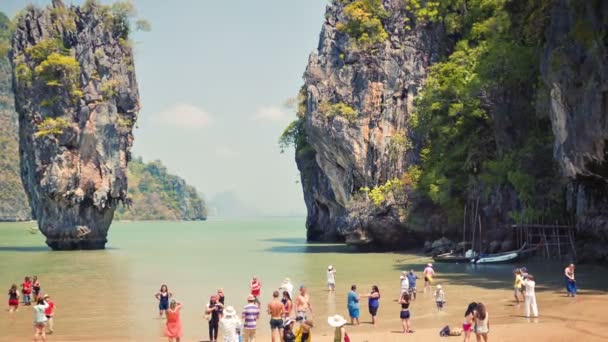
(213, 77)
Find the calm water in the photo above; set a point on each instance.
(108, 295)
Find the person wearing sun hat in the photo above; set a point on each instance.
(303, 333)
(338, 322)
(288, 335)
(429, 273)
(251, 314)
(229, 324)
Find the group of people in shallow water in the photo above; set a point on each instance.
(44, 307)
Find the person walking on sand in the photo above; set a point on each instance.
(337, 322)
(570, 281)
(213, 311)
(251, 314)
(467, 324)
(303, 305)
(530, 296)
(439, 297)
(412, 277)
(404, 283)
(49, 313)
(405, 312)
(230, 325)
(331, 278)
(517, 286)
(173, 326)
(256, 289)
(287, 305)
(429, 273)
(40, 320)
(482, 322)
(373, 303)
(13, 298)
(36, 288)
(26, 289)
(163, 296)
(275, 310)
(353, 305)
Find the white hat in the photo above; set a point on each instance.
(429, 265)
(336, 321)
(229, 311)
(330, 267)
(286, 280)
(438, 287)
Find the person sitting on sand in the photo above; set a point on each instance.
(353, 305)
(411, 278)
(337, 322)
(303, 333)
(405, 312)
(288, 334)
(570, 281)
(467, 324)
(482, 322)
(429, 273)
(530, 296)
(173, 326)
(163, 295)
(517, 287)
(13, 298)
(439, 297)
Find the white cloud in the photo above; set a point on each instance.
(271, 113)
(183, 115)
(225, 152)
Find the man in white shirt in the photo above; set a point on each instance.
(530, 296)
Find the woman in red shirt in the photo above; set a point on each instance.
(256, 289)
(49, 313)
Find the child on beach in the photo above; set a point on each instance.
(467, 324)
(26, 289)
(13, 298)
(517, 287)
(482, 322)
(439, 297)
(49, 313)
(163, 296)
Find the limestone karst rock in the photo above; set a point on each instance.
(77, 99)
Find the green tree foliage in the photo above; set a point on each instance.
(158, 195)
(51, 126)
(364, 22)
(338, 109)
(497, 54)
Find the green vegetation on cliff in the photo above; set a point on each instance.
(157, 195)
(486, 87)
(364, 22)
(13, 200)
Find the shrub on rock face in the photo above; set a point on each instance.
(338, 109)
(51, 126)
(364, 22)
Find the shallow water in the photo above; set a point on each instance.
(108, 295)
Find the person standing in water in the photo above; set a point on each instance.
(439, 298)
(163, 296)
(429, 273)
(40, 320)
(517, 286)
(337, 322)
(353, 305)
(251, 314)
(287, 286)
(49, 313)
(36, 288)
(467, 324)
(173, 327)
(530, 296)
(412, 277)
(26, 289)
(275, 310)
(213, 309)
(256, 289)
(303, 306)
(331, 278)
(405, 312)
(373, 303)
(404, 283)
(13, 298)
(482, 322)
(570, 281)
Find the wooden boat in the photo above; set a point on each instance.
(505, 257)
(453, 258)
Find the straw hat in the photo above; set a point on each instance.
(336, 321)
(229, 311)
